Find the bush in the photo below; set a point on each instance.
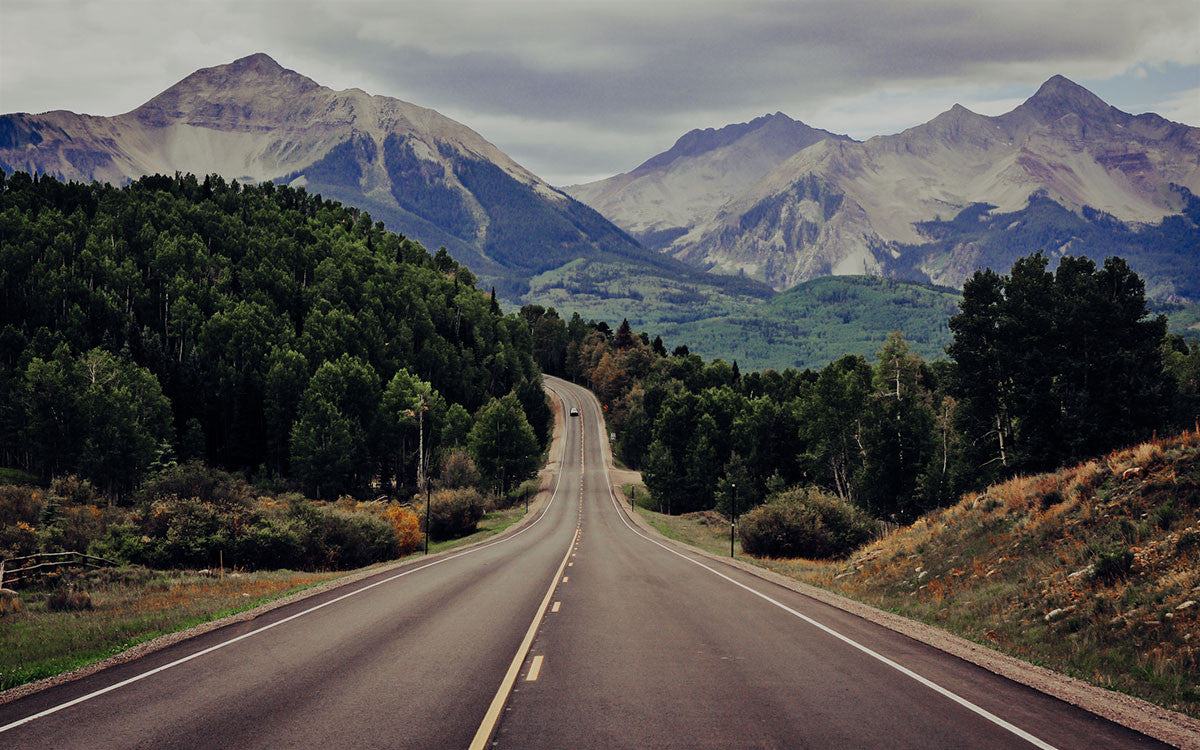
(1112, 565)
(185, 532)
(339, 538)
(195, 479)
(526, 490)
(68, 599)
(406, 526)
(455, 513)
(458, 469)
(20, 511)
(804, 522)
(271, 542)
(9, 604)
(71, 490)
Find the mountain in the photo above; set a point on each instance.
(1066, 171)
(422, 174)
(668, 194)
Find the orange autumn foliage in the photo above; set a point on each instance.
(407, 527)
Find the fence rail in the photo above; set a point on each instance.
(44, 563)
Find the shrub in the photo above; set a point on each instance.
(804, 522)
(526, 490)
(68, 599)
(271, 541)
(20, 511)
(72, 490)
(1112, 565)
(1165, 515)
(455, 513)
(406, 526)
(77, 525)
(19, 504)
(458, 469)
(184, 532)
(339, 538)
(195, 479)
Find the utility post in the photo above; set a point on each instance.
(428, 506)
(732, 517)
(422, 459)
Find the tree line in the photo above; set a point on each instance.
(256, 328)
(1046, 367)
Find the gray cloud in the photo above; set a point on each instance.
(575, 89)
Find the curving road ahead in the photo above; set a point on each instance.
(576, 630)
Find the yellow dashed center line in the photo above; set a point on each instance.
(535, 669)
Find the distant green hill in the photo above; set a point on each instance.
(806, 326)
(823, 319)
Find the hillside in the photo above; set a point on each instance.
(259, 328)
(1093, 571)
(808, 326)
(818, 321)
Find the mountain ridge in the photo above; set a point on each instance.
(422, 173)
(840, 206)
(669, 192)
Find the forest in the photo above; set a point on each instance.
(284, 343)
(256, 329)
(1045, 367)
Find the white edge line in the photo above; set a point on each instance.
(289, 618)
(1035, 741)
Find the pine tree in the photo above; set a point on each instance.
(624, 338)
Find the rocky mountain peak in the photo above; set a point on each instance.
(250, 84)
(702, 140)
(1060, 96)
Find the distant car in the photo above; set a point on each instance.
(574, 412)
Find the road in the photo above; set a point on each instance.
(577, 631)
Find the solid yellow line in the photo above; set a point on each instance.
(492, 717)
(535, 669)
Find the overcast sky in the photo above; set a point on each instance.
(578, 90)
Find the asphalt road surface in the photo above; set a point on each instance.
(576, 631)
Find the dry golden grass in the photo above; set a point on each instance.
(130, 606)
